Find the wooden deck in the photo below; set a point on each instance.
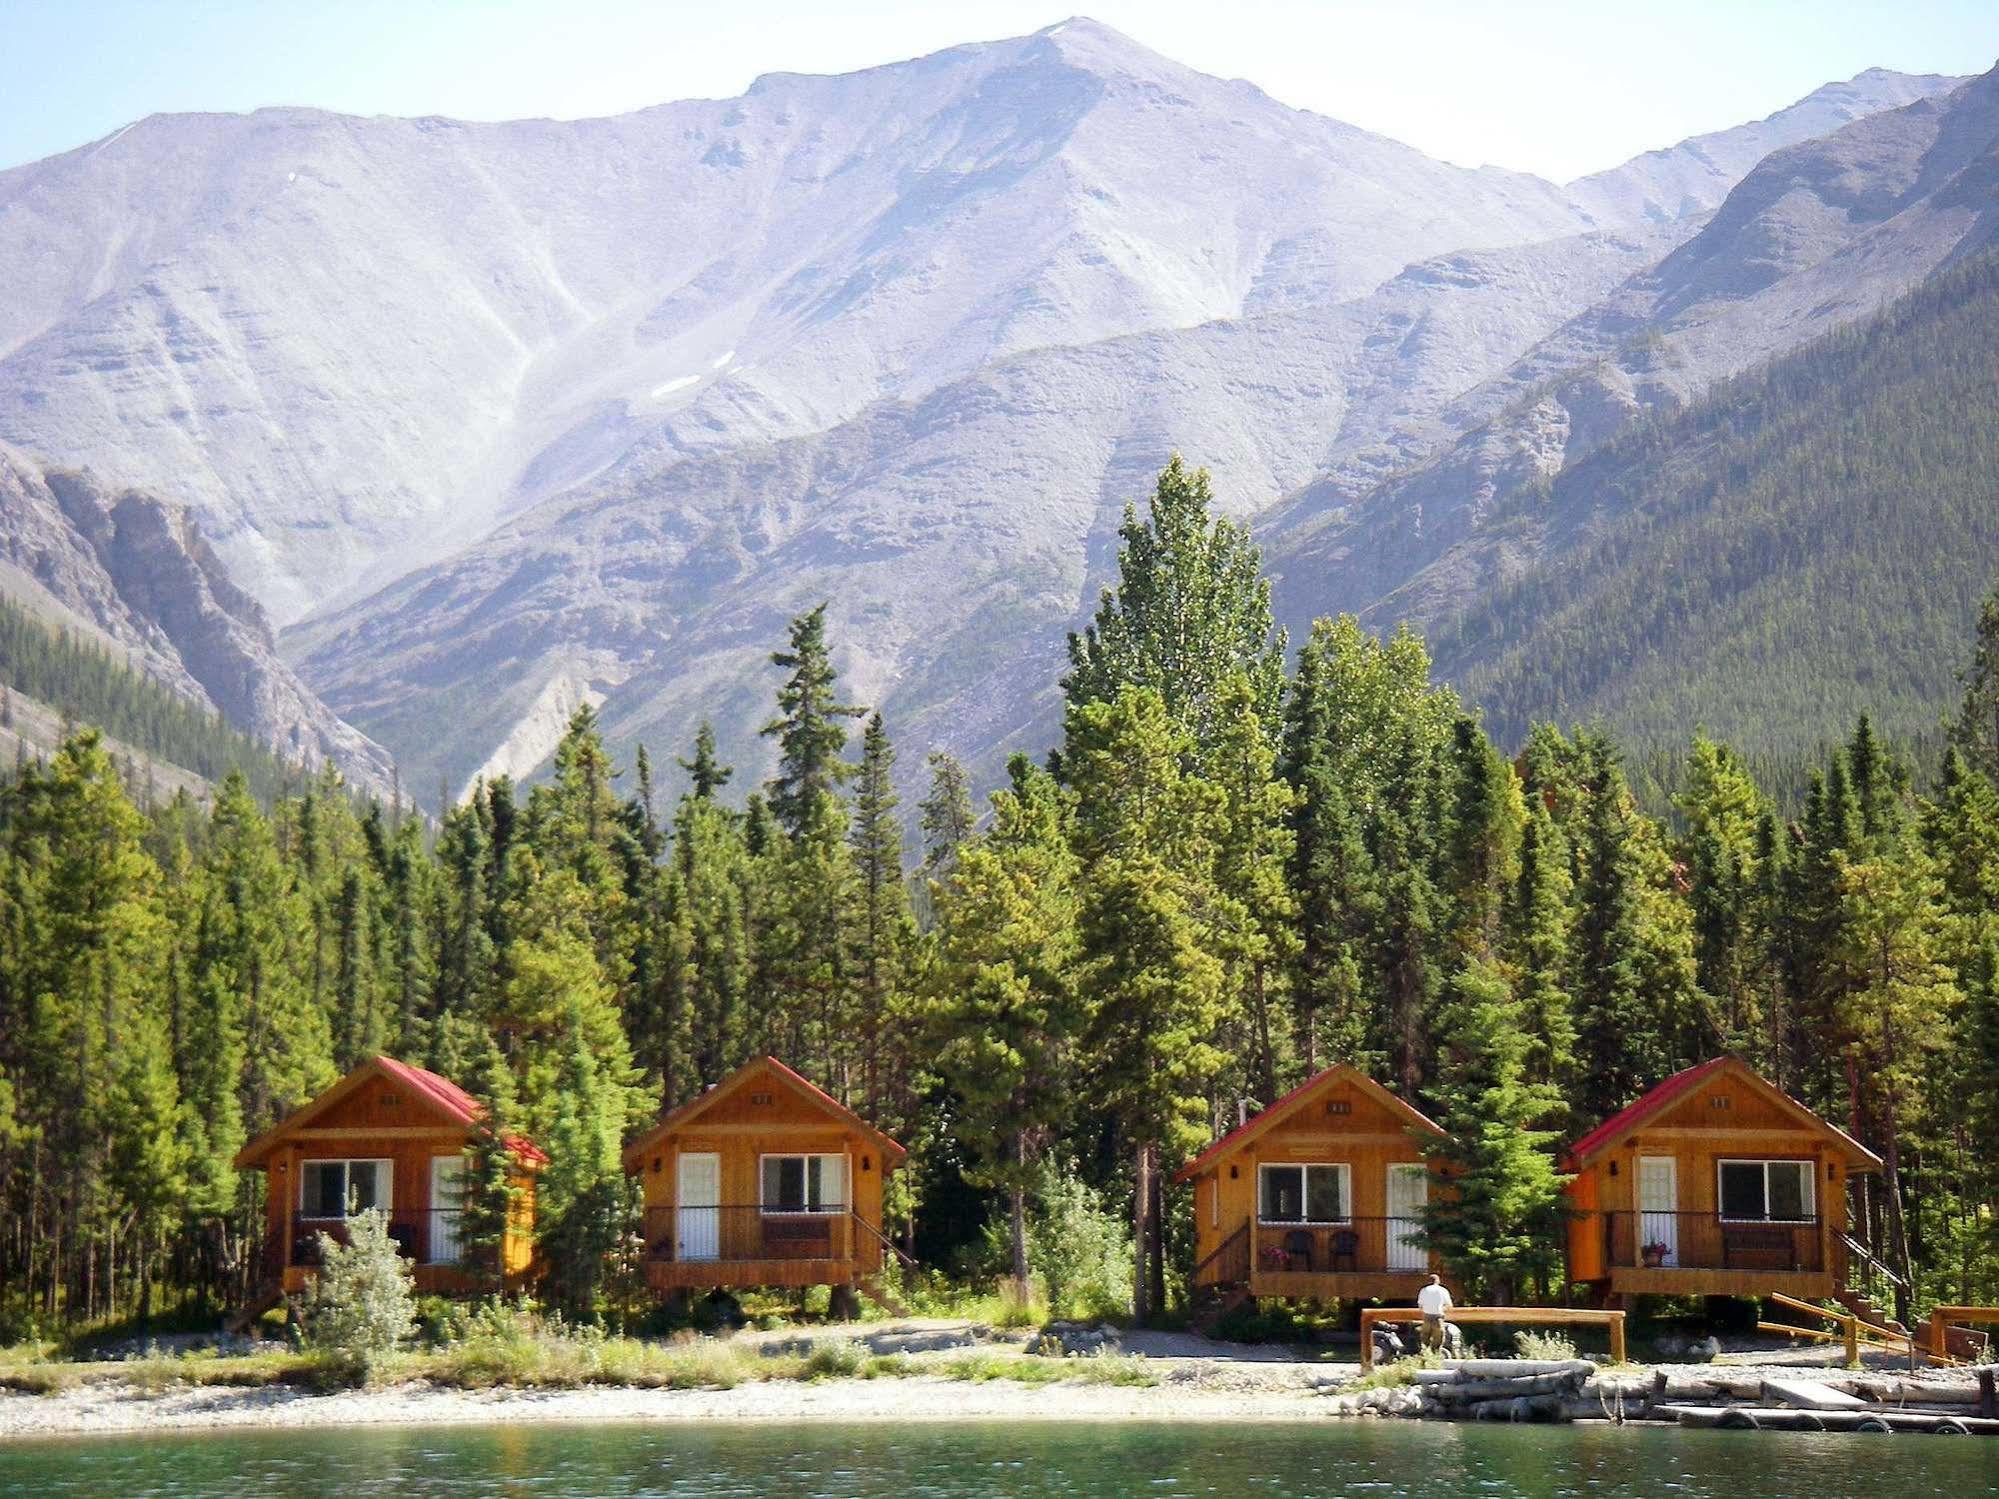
(1338, 1285)
(703, 1275)
(1687, 1280)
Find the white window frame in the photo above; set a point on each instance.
(766, 1210)
(1345, 1170)
(345, 1162)
(1811, 1174)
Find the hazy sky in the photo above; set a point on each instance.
(1559, 87)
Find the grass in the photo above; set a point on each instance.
(1402, 1371)
(1543, 1345)
(527, 1353)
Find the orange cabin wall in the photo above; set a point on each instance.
(1368, 1139)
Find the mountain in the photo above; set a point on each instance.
(1818, 235)
(1695, 175)
(1809, 541)
(352, 344)
(130, 574)
(494, 419)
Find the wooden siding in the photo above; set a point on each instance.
(765, 1116)
(1724, 1118)
(1339, 1124)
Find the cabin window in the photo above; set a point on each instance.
(1303, 1194)
(804, 1184)
(1779, 1190)
(340, 1189)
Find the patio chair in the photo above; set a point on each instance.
(1298, 1246)
(1346, 1249)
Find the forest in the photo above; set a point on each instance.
(1240, 863)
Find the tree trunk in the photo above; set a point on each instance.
(1158, 1217)
(1898, 1241)
(1017, 1226)
(1141, 1225)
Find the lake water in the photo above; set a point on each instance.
(1371, 1458)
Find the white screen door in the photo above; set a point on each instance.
(447, 1200)
(1659, 1204)
(1408, 1192)
(700, 1201)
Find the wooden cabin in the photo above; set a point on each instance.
(387, 1136)
(762, 1180)
(1716, 1183)
(1321, 1195)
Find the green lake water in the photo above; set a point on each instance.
(1372, 1458)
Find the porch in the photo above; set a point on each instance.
(750, 1245)
(429, 1238)
(1711, 1254)
(1358, 1259)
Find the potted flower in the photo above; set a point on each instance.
(1654, 1253)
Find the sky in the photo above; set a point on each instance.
(1558, 87)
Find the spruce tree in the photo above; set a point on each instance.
(1498, 1225)
(1003, 1011)
(1146, 834)
(808, 728)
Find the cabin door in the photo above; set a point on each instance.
(1408, 1193)
(447, 1201)
(700, 1201)
(1659, 1205)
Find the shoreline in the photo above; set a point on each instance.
(112, 1409)
(1191, 1379)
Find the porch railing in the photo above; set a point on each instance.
(429, 1236)
(1709, 1241)
(736, 1232)
(1359, 1245)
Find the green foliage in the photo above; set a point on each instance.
(363, 1304)
(86, 684)
(1809, 540)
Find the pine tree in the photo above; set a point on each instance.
(810, 735)
(1498, 1226)
(886, 928)
(1145, 834)
(1975, 733)
(1536, 950)
(580, 1197)
(706, 772)
(1003, 1011)
(1191, 609)
(945, 816)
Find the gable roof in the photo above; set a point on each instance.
(1684, 1082)
(770, 1067)
(1296, 1099)
(443, 1095)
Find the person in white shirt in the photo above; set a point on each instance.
(1434, 1302)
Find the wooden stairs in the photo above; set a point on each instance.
(1960, 1343)
(1213, 1302)
(871, 1287)
(266, 1295)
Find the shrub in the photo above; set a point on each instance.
(1081, 1248)
(362, 1307)
(834, 1357)
(1544, 1345)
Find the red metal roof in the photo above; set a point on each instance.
(456, 1102)
(1649, 1102)
(1264, 1117)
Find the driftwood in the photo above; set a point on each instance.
(1520, 1408)
(1471, 1390)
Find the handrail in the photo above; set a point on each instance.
(1873, 1261)
(908, 1261)
(1237, 1242)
